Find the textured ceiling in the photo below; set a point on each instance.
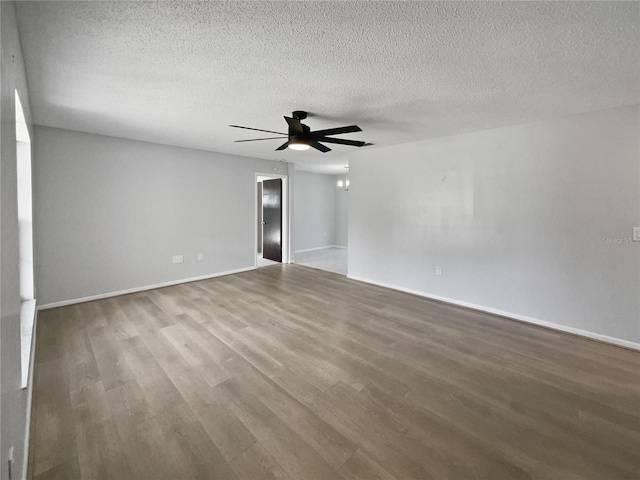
(179, 73)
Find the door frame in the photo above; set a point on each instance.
(286, 243)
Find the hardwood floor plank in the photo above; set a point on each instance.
(89, 404)
(148, 453)
(257, 464)
(362, 467)
(100, 451)
(113, 367)
(372, 440)
(295, 456)
(195, 355)
(129, 407)
(295, 385)
(51, 324)
(63, 471)
(113, 319)
(189, 383)
(227, 432)
(189, 451)
(79, 359)
(53, 417)
(324, 439)
(159, 392)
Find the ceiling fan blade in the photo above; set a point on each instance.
(256, 139)
(319, 146)
(257, 129)
(336, 131)
(294, 125)
(341, 141)
(283, 146)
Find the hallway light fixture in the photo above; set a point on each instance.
(344, 185)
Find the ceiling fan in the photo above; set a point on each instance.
(300, 136)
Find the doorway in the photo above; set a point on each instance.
(272, 220)
(320, 221)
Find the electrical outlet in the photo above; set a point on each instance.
(10, 463)
(177, 259)
(438, 270)
(200, 256)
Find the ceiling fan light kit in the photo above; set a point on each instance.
(300, 136)
(298, 145)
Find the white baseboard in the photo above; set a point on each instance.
(312, 249)
(512, 316)
(319, 248)
(141, 289)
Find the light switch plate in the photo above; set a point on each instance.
(177, 259)
(636, 234)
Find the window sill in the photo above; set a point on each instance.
(27, 340)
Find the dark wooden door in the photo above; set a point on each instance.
(272, 220)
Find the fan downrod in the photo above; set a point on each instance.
(299, 115)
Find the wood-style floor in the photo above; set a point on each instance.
(292, 373)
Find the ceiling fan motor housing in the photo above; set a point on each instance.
(299, 115)
(296, 136)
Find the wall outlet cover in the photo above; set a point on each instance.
(10, 463)
(177, 259)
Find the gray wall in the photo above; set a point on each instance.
(341, 215)
(110, 213)
(315, 206)
(14, 399)
(533, 221)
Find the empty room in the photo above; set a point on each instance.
(319, 240)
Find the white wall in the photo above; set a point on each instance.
(14, 399)
(314, 218)
(110, 213)
(518, 218)
(341, 215)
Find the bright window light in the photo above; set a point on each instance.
(25, 245)
(25, 212)
(22, 132)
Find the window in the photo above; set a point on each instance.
(25, 231)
